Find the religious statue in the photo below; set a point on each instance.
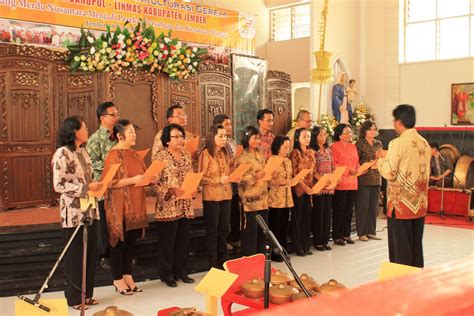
(339, 100)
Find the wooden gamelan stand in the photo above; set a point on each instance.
(37, 92)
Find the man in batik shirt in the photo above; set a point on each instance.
(98, 147)
(265, 125)
(406, 166)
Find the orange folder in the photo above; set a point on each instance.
(238, 173)
(143, 153)
(300, 176)
(336, 176)
(155, 168)
(192, 145)
(190, 184)
(272, 165)
(106, 181)
(365, 166)
(239, 150)
(321, 184)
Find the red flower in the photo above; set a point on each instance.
(173, 47)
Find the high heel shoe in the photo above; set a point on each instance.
(136, 289)
(126, 291)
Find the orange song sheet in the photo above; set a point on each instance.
(365, 166)
(239, 151)
(192, 145)
(143, 153)
(155, 168)
(300, 176)
(106, 181)
(336, 176)
(238, 173)
(190, 184)
(272, 165)
(321, 184)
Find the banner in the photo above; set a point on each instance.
(190, 22)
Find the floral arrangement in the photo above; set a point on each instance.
(140, 48)
(328, 123)
(361, 114)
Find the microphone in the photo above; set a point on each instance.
(268, 233)
(34, 303)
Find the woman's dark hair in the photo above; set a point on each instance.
(249, 131)
(365, 127)
(120, 127)
(278, 141)
(406, 114)
(313, 144)
(296, 142)
(166, 135)
(435, 146)
(67, 132)
(210, 142)
(339, 130)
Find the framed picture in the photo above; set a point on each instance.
(248, 78)
(462, 103)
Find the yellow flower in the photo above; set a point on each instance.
(188, 52)
(129, 42)
(181, 56)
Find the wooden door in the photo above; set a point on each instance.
(215, 87)
(26, 127)
(279, 100)
(139, 98)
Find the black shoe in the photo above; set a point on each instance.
(319, 248)
(104, 263)
(170, 282)
(126, 291)
(187, 279)
(339, 242)
(327, 247)
(300, 254)
(277, 257)
(308, 253)
(349, 241)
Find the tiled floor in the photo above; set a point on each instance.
(352, 265)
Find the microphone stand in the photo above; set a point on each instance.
(86, 221)
(267, 269)
(441, 211)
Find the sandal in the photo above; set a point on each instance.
(78, 307)
(91, 301)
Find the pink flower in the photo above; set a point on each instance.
(142, 55)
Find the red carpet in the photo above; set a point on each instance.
(449, 221)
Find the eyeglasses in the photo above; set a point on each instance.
(116, 114)
(180, 116)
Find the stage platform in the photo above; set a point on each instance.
(31, 241)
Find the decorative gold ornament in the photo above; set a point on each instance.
(323, 72)
(113, 311)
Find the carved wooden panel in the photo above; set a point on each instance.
(78, 94)
(215, 85)
(279, 100)
(27, 126)
(139, 98)
(185, 93)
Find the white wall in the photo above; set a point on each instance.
(426, 85)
